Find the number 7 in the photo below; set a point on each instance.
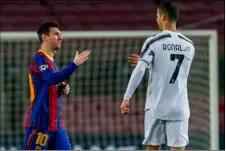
(180, 58)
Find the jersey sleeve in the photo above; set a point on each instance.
(49, 75)
(146, 57)
(147, 52)
(135, 79)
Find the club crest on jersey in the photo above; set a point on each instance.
(43, 67)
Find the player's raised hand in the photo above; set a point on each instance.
(81, 58)
(125, 107)
(133, 59)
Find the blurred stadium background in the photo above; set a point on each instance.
(91, 110)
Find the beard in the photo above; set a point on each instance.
(56, 47)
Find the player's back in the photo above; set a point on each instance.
(173, 55)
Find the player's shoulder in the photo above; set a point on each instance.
(158, 37)
(40, 55)
(40, 58)
(35, 56)
(34, 59)
(181, 36)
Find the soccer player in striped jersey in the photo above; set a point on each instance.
(168, 56)
(44, 124)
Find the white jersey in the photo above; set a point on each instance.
(169, 56)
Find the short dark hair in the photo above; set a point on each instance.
(170, 9)
(44, 29)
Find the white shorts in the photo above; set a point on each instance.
(158, 132)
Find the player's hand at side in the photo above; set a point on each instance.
(66, 90)
(125, 107)
(81, 58)
(133, 59)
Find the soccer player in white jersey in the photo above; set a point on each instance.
(168, 56)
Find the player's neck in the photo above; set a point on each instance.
(48, 50)
(170, 27)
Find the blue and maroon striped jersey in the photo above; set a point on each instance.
(44, 82)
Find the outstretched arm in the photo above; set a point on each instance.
(56, 77)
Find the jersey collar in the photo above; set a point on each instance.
(47, 55)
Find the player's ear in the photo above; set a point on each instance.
(163, 17)
(44, 37)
